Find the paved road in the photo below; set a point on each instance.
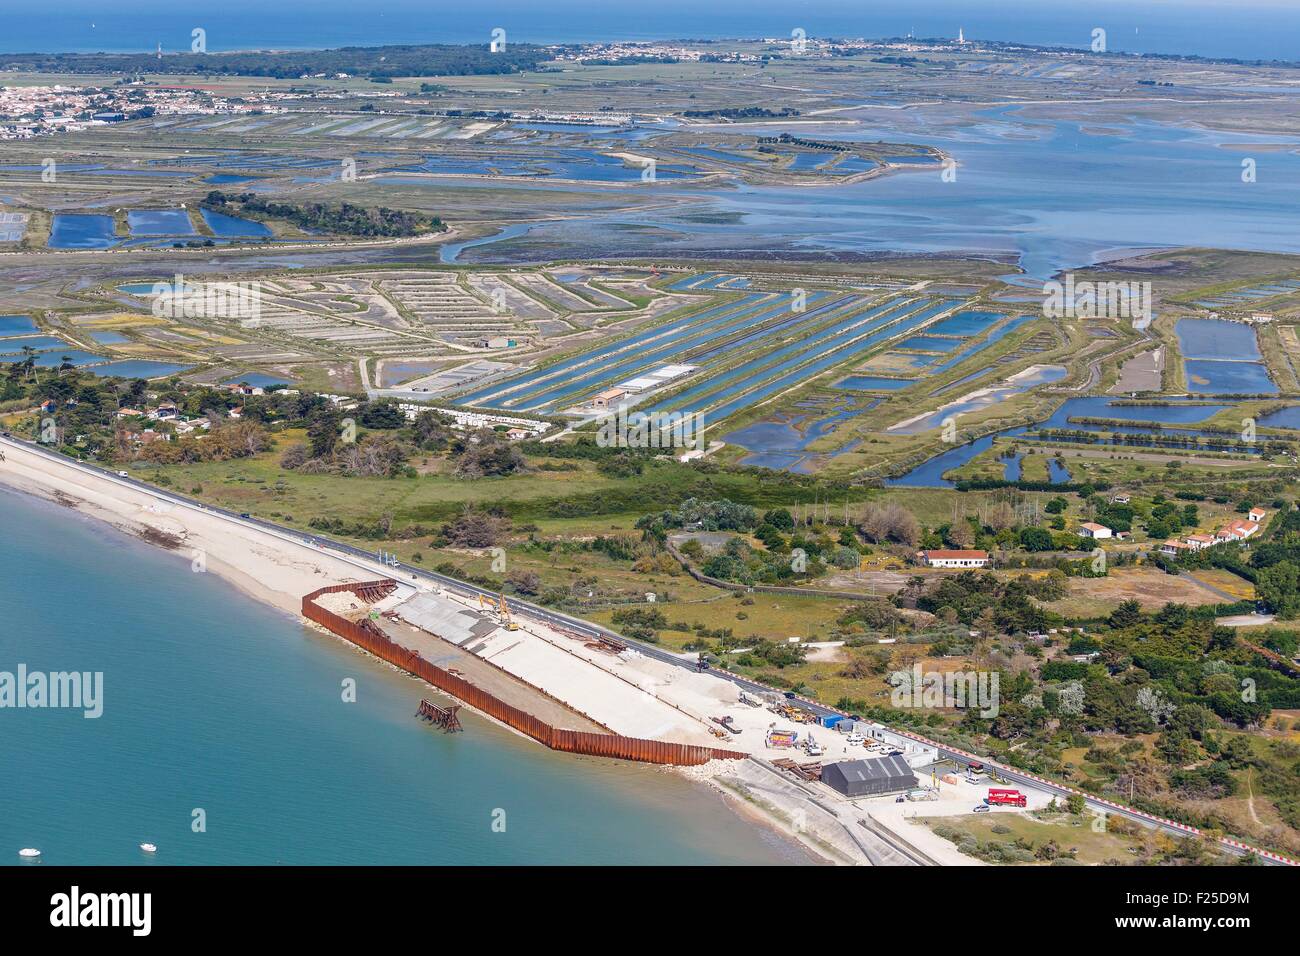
(1216, 591)
(588, 629)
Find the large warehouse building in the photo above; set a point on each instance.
(869, 778)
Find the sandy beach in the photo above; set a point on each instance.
(630, 693)
(266, 566)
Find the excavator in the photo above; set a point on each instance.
(500, 609)
(506, 619)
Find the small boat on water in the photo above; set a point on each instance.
(148, 848)
(29, 853)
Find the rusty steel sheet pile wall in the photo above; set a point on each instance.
(370, 638)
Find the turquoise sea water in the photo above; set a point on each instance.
(217, 702)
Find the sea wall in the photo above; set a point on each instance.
(370, 638)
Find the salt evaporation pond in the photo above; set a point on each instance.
(38, 342)
(929, 474)
(873, 383)
(233, 227)
(160, 222)
(138, 368)
(16, 324)
(1288, 417)
(82, 231)
(109, 338)
(54, 358)
(1221, 357)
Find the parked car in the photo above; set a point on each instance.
(981, 808)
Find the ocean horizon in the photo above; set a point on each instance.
(1255, 29)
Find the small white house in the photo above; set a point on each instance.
(1090, 529)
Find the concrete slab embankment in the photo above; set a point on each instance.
(366, 635)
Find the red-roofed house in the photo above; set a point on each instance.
(1238, 530)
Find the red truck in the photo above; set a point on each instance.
(1005, 798)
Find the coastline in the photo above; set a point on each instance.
(265, 568)
(256, 562)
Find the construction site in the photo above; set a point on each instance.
(847, 788)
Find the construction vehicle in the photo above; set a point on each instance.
(797, 714)
(727, 723)
(999, 797)
(812, 748)
(506, 619)
(500, 609)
